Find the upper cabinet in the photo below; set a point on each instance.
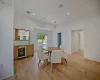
(21, 34)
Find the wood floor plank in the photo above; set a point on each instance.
(77, 68)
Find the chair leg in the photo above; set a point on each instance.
(39, 62)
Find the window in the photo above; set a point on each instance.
(24, 37)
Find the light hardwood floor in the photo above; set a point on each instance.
(77, 68)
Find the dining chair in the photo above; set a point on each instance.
(45, 52)
(62, 48)
(65, 56)
(55, 58)
(41, 55)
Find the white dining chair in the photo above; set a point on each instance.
(65, 55)
(55, 57)
(43, 50)
(62, 48)
(41, 55)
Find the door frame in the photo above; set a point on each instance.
(43, 34)
(59, 39)
(72, 39)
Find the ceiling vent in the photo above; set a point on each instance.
(54, 21)
(28, 12)
(60, 5)
(44, 18)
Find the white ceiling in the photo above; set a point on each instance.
(49, 9)
(7, 2)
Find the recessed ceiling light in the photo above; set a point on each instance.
(34, 14)
(68, 13)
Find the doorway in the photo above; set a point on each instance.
(59, 39)
(42, 40)
(78, 41)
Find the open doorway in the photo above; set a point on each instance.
(42, 40)
(78, 41)
(59, 39)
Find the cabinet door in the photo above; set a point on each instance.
(15, 52)
(30, 50)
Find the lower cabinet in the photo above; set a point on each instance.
(21, 51)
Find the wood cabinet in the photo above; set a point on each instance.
(29, 50)
(16, 34)
(15, 52)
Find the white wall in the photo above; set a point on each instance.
(6, 42)
(91, 26)
(25, 22)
